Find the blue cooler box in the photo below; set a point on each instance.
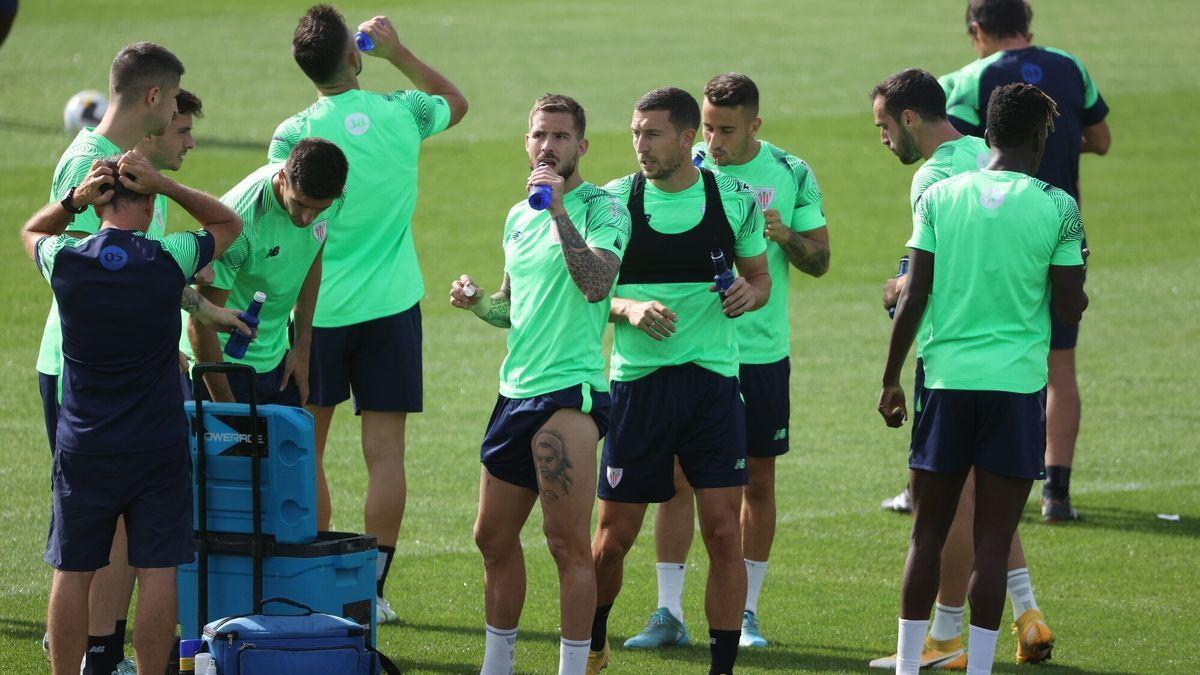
(288, 478)
(334, 574)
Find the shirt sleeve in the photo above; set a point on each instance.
(607, 225)
(286, 136)
(430, 111)
(190, 250)
(748, 236)
(235, 255)
(46, 251)
(72, 175)
(1094, 107)
(924, 235)
(1068, 252)
(808, 214)
(962, 102)
(620, 188)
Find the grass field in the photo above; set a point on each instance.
(1119, 588)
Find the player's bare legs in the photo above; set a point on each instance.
(721, 530)
(1000, 501)
(1063, 411)
(935, 500)
(958, 553)
(674, 523)
(383, 449)
(322, 418)
(758, 509)
(503, 510)
(67, 620)
(154, 628)
(616, 531)
(564, 451)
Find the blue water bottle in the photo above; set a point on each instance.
(363, 42)
(723, 276)
(539, 196)
(901, 271)
(698, 159)
(235, 346)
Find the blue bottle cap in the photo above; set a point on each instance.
(363, 42)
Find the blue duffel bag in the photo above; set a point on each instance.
(296, 644)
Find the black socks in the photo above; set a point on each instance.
(386, 553)
(600, 627)
(723, 645)
(1058, 483)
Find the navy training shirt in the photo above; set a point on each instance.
(1055, 72)
(118, 298)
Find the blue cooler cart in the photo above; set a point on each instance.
(330, 572)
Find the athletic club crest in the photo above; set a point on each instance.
(319, 230)
(764, 196)
(614, 476)
(992, 198)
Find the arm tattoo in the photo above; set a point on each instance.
(807, 255)
(549, 453)
(190, 300)
(497, 314)
(592, 271)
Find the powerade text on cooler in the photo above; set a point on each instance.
(235, 346)
(539, 195)
(900, 271)
(723, 277)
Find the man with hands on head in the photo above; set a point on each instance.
(675, 362)
(559, 267)
(121, 448)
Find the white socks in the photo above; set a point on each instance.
(947, 622)
(500, 649)
(981, 650)
(572, 656)
(910, 644)
(755, 571)
(670, 587)
(1020, 591)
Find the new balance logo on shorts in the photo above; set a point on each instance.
(614, 476)
(780, 434)
(740, 464)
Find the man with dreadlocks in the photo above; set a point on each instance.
(1005, 245)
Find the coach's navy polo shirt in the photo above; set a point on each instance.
(1055, 72)
(118, 298)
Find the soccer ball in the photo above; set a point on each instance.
(85, 109)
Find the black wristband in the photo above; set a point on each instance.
(69, 199)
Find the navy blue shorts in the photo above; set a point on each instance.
(768, 407)
(507, 450)
(266, 385)
(153, 490)
(1062, 336)
(684, 410)
(998, 431)
(48, 386)
(380, 360)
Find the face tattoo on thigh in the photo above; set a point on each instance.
(552, 464)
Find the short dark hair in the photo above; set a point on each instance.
(558, 103)
(317, 168)
(912, 89)
(730, 90)
(1000, 18)
(142, 65)
(319, 43)
(684, 112)
(187, 103)
(1016, 113)
(121, 194)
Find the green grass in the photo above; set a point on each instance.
(1119, 588)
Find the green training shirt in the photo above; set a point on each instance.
(785, 183)
(369, 268)
(556, 336)
(279, 258)
(951, 158)
(703, 334)
(73, 167)
(994, 236)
